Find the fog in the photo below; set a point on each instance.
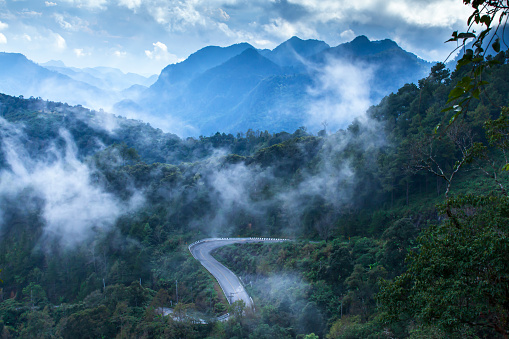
(341, 93)
(74, 205)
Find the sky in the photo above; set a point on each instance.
(144, 36)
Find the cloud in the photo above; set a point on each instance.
(71, 23)
(29, 14)
(89, 4)
(347, 35)
(73, 207)
(178, 16)
(50, 4)
(120, 54)
(160, 52)
(79, 52)
(59, 18)
(283, 29)
(131, 4)
(27, 37)
(3, 26)
(340, 94)
(223, 15)
(60, 42)
(3, 39)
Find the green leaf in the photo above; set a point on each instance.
(493, 62)
(471, 17)
(467, 35)
(476, 92)
(506, 167)
(496, 45)
(485, 19)
(436, 128)
(463, 61)
(456, 92)
(454, 117)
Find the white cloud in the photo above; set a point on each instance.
(3, 39)
(178, 16)
(74, 207)
(27, 37)
(263, 42)
(70, 23)
(340, 94)
(27, 13)
(89, 4)
(437, 13)
(3, 26)
(131, 4)
(283, 29)
(223, 15)
(120, 54)
(50, 4)
(160, 52)
(60, 42)
(59, 18)
(79, 52)
(347, 35)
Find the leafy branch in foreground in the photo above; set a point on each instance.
(491, 17)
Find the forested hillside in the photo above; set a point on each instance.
(97, 212)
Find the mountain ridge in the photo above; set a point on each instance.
(209, 90)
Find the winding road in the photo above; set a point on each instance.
(230, 284)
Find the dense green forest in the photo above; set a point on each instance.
(355, 201)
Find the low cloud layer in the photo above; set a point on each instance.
(74, 206)
(340, 94)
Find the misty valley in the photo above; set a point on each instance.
(379, 178)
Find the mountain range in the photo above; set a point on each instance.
(236, 88)
(230, 89)
(98, 87)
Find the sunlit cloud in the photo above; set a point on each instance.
(50, 4)
(3, 39)
(3, 26)
(347, 35)
(160, 52)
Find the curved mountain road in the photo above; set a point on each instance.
(230, 284)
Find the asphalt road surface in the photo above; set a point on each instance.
(228, 281)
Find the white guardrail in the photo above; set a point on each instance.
(226, 239)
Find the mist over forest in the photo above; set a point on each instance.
(386, 172)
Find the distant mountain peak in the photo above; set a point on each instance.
(199, 62)
(290, 52)
(53, 63)
(360, 39)
(362, 46)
